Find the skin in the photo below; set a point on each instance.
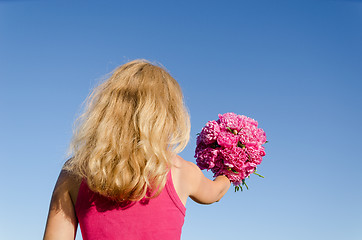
(187, 178)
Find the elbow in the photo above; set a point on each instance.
(225, 185)
(221, 194)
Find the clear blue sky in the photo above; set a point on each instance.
(295, 66)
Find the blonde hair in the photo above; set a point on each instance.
(132, 126)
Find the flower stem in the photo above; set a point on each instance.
(239, 187)
(258, 174)
(245, 184)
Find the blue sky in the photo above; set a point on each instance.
(295, 66)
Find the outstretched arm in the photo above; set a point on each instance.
(201, 189)
(206, 191)
(62, 222)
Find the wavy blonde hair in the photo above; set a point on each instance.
(132, 126)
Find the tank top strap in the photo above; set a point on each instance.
(173, 194)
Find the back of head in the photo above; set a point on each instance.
(133, 124)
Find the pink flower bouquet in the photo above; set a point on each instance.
(231, 146)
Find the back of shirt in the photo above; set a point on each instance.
(159, 218)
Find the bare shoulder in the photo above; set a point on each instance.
(67, 184)
(188, 171)
(184, 165)
(62, 221)
(183, 173)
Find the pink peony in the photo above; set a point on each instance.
(206, 158)
(210, 132)
(227, 139)
(249, 168)
(234, 158)
(262, 152)
(230, 120)
(231, 146)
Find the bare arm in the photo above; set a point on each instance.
(200, 188)
(62, 222)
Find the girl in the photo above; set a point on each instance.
(125, 179)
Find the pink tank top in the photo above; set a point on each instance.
(159, 218)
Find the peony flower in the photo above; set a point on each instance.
(234, 158)
(230, 120)
(249, 168)
(227, 139)
(231, 146)
(209, 133)
(206, 158)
